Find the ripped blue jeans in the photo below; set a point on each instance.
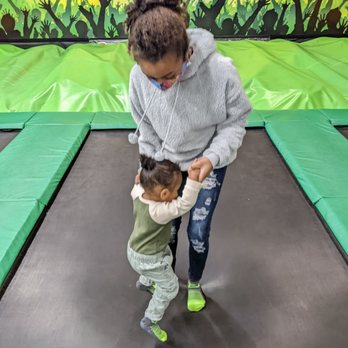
(198, 229)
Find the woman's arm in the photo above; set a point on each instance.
(229, 133)
(149, 142)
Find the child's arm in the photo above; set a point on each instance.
(229, 134)
(164, 212)
(136, 191)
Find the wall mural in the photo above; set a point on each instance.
(88, 19)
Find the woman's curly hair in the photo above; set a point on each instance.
(156, 28)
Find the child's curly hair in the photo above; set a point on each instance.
(156, 28)
(154, 173)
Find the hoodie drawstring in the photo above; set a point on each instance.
(159, 156)
(133, 137)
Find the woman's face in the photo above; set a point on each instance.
(167, 69)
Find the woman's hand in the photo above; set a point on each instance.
(193, 174)
(204, 165)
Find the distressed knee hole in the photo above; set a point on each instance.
(200, 214)
(198, 246)
(211, 182)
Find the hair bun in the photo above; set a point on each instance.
(139, 7)
(147, 163)
(146, 5)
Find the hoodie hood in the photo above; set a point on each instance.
(203, 114)
(203, 45)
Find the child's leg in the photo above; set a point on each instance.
(137, 262)
(145, 284)
(145, 281)
(167, 287)
(156, 268)
(198, 233)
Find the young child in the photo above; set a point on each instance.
(188, 102)
(156, 204)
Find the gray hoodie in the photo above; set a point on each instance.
(204, 114)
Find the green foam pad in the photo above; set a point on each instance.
(61, 118)
(82, 77)
(124, 120)
(277, 74)
(17, 218)
(32, 165)
(255, 119)
(335, 213)
(113, 120)
(316, 153)
(292, 115)
(338, 117)
(281, 74)
(16, 120)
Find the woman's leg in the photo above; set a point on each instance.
(200, 221)
(198, 234)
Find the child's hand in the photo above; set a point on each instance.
(193, 174)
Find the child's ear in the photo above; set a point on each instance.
(164, 194)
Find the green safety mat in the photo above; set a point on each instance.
(316, 153)
(33, 164)
(61, 118)
(255, 119)
(31, 167)
(335, 213)
(9, 120)
(280, 74)
(337, 117)
(285, 116)
(94, 78)
(17, 218)
(112, 120)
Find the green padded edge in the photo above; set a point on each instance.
(315, 152)
(17, 219)
(255, 119)
(335, 213)
(338, 117)
(112, 120)
(16, 120)
(293, 115)
(32, 165)
(61, 118)
(124, 120)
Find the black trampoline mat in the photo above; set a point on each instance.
(274, 278)
(6, 138)
(344, 131)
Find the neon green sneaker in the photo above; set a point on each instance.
(195, 297)
(153, 329)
